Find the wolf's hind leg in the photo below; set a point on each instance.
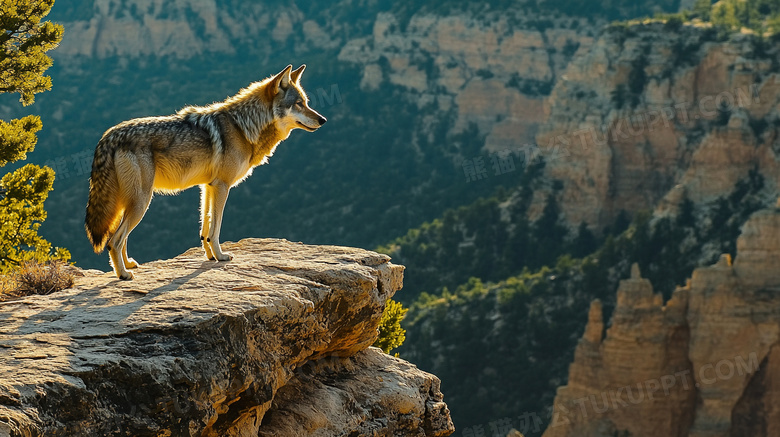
(116, 245)
(220, 190)
(133, 214)
(206, 214)
(136, 178)
(129, 262)
(115, 256)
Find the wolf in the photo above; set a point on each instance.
(215, 147)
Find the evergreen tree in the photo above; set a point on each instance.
(724, 15)
(584, 243)
(702, 9)
(24, 41)
(759, 16)
(637, 78)
(773, 24)
(549, 235)
(686, 217)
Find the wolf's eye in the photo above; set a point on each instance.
(299, 104)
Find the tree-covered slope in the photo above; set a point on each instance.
(490, 239)
(502, 348)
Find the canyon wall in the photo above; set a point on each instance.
(702, 364)
(651, 115)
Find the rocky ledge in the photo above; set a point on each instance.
(275, 342)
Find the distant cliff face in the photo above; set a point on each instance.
(179, 28)
(705, 364)
(493, 70)
(652, 114)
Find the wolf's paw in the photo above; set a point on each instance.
(209, 253)
(127, 276)
(224, 257)
(131, 263)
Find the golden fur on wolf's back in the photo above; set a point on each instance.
(177, 152)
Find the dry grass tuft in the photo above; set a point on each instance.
(35, 278)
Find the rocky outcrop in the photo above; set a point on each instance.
(275, 342)
(704, 364)
(368, 393)
(617, 376)
(735, 312)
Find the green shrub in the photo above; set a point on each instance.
(391, 334)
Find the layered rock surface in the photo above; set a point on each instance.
(493, 70)
(635, 121)
(705, 364)
(193, 347)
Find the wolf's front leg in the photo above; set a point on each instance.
(206, 214)
(220, 190)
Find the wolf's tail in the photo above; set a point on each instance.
(103, 214)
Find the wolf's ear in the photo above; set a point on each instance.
(296, 75)
(281, 80)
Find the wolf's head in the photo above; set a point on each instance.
(290, 105)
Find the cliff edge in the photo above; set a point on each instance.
(275, 342)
